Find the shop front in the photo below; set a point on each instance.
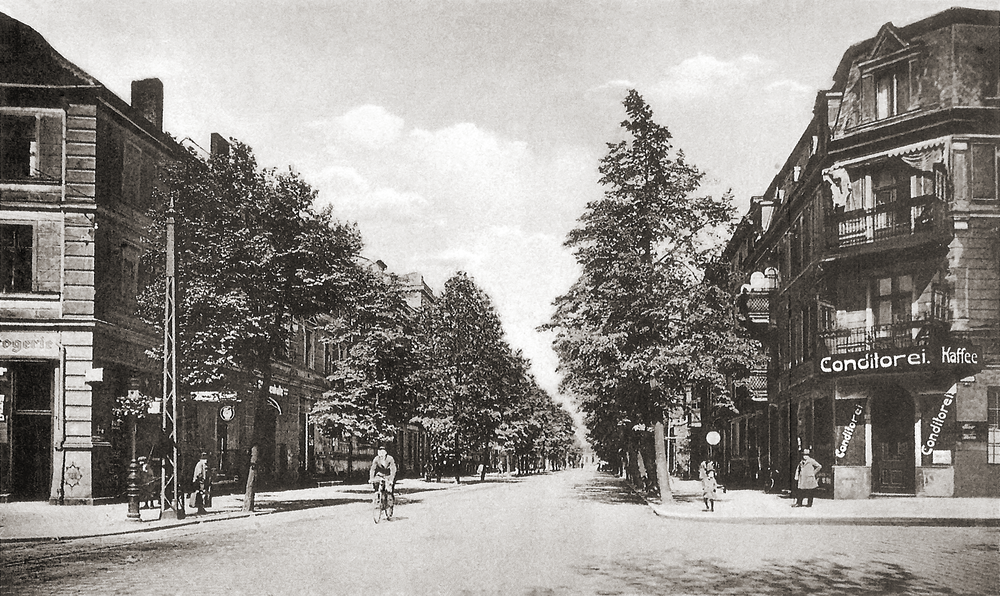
(895, 419)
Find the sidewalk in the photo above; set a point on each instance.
(757, 507)
(34, 521)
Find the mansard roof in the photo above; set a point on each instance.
(891, 39)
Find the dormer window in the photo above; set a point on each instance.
(892, 91)
(888, 76)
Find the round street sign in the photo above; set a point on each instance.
(227, 413)
(713, 438)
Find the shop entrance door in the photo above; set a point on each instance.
(892, 441)
(31, 430)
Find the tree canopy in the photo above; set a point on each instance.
(643, 322)
(252, 254)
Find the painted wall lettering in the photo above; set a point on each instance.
(937, 423)
(849, 432)
(15, 346)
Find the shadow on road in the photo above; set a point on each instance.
(822, 578)
(279, 506)
(607, 489)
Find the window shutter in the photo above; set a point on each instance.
(867, 99)
(904, 88)
(50, 154)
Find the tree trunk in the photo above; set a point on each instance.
(662, 473)
(260, 403)
(486, 461)
(458, 462)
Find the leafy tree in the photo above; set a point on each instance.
(252, 254)
(633, 331)
(378, 383)
(468, 360)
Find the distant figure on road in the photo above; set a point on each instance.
(202, 483)
(806, 482)
(709, 486)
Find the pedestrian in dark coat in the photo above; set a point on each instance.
(806, 481)
(202, 483)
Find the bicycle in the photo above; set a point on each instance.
(384, 502)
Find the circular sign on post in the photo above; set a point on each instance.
(713, 438)
(227, 413)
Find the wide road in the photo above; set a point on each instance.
(573, 532)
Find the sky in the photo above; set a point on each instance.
(466, 135)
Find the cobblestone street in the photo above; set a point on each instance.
(575, 532)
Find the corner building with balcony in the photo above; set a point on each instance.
(871, 272)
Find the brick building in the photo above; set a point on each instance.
(871, 272)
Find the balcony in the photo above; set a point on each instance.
(757, 384)
(899, 335)
(897, 219)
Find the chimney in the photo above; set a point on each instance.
(147, 98)
(220, 146)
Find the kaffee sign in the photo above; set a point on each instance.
(915, 359)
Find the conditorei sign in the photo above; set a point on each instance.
(920, 358)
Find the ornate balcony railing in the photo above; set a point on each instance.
(757, 384)
(900, 335)
(890, 220)
(756, 307)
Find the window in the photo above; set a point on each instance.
(31, 146)
(892, 92)
(308, 359)
(984, 172)
(993, 422)
(890, 185)
(15, 258)
(129, 276)
(18, 147)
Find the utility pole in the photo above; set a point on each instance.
(170, 468)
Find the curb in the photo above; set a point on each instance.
(835, 521)
(963, 522)
(135, 530)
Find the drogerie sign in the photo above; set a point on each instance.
(914, 359)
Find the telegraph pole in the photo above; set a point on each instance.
(170, 468)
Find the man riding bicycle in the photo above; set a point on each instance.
(383, 468)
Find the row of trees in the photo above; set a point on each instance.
(651, 314)
(253, 254)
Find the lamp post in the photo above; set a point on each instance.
(132, 481)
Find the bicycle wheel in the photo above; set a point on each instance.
(377, 506)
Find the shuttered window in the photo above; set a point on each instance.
(30, 148)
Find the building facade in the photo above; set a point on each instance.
(77, 170)
(871, 274)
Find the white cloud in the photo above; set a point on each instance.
(707, 76)
(369, 126)
(462, 197)
(615, 85)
